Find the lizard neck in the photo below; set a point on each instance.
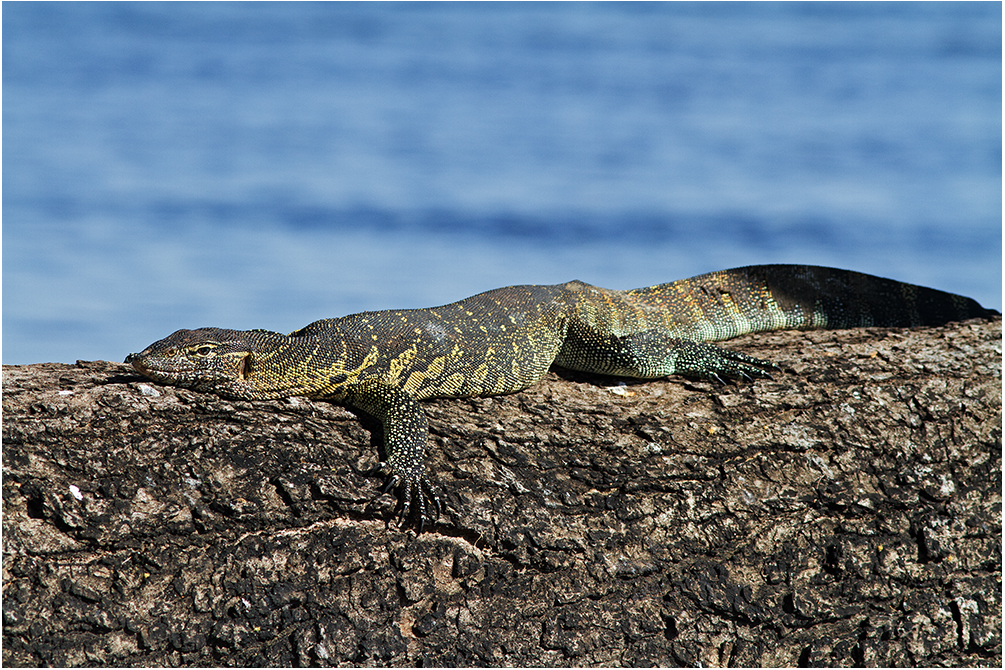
(305, 365)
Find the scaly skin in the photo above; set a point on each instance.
(505, 340)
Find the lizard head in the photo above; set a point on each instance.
(207, 359)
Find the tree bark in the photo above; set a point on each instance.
(846, 512)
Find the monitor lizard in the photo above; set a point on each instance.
(505, 340)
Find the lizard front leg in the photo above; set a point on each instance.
(405, 435)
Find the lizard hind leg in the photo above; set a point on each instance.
(651, 353)
(707, 361)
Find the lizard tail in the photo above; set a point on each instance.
(781, 297)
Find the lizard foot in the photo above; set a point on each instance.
(415, 494)
(705, 361)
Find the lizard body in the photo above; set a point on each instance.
(505, 340)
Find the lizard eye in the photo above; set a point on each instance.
(204, 351)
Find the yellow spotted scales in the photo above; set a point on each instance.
(505, 340)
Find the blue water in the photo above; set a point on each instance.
(264, 165)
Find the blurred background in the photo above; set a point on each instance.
(264, 165)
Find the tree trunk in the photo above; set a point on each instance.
(847, 512)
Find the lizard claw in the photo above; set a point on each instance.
(415, 493)
(698, 359)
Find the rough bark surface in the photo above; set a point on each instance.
(847, 512)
